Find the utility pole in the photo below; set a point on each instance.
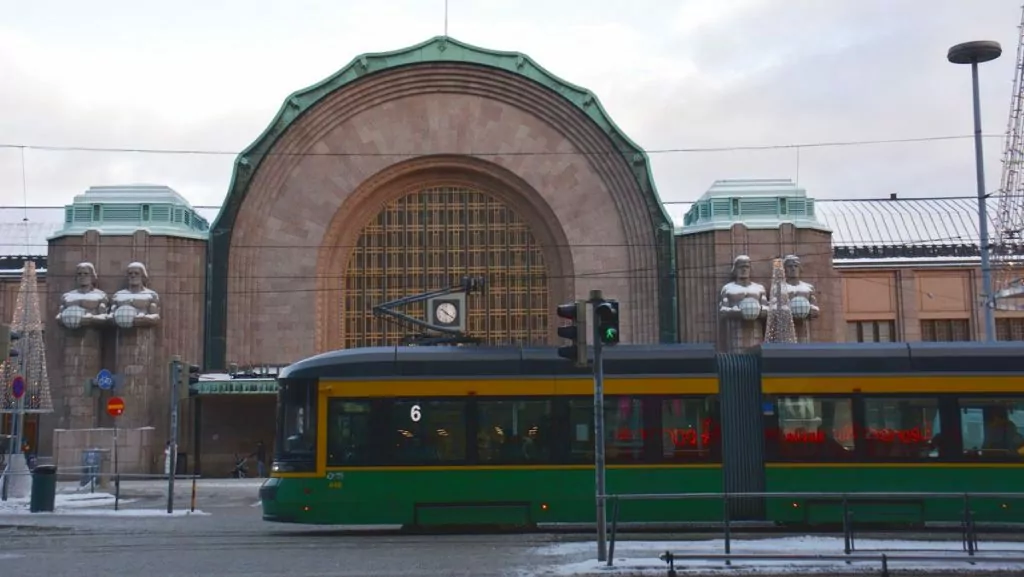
(175, 375)
(596, 298)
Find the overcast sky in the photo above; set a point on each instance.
(211, 74)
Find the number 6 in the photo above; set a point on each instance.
(414, 413)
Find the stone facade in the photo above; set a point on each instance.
(302, 214)
(378, 130)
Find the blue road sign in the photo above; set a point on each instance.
(105, 380)
(18, 386)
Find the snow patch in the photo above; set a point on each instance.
(641, 557)
(136, 513)
(63, 502)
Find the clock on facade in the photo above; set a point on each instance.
(447, 313)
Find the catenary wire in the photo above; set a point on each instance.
(676, 150)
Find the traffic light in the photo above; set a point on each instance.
(7, 339)
(193, 378)
(576, 332)
(606, 321)
(188, 375)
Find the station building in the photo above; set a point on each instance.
(404, 173)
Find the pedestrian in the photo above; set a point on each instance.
(260, 454)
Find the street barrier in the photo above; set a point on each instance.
(967, 526)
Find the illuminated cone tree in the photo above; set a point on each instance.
(31, 359)
(780, 327)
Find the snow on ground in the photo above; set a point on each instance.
(641, 557)
(92, 504)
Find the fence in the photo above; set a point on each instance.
(89, 476)
(967, 526)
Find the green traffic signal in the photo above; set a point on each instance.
(606, 316)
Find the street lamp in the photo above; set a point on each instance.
(974, 53)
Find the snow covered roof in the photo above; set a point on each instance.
(892, 222)
(860, 227)
(24, 232)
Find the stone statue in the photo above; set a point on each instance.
(85, 306)
(138, 305)
(742, 298)
(803, 299)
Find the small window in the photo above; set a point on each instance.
(813, 429)
(689, 429)
(992, 429)
(624, 430)
(514, 432)
(429, 432)
(145, 212)
(903, 429)
(349, 437)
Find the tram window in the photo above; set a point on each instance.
(689, 428)
(349, 437)
(429, 432)
(296, 432)
(992, 429)
(901, 428)
(514, 431)
(624, 429)
(814, 428)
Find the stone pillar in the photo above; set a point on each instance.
(82, 359)
(137, 360)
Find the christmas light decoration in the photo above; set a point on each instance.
(780, 327)
(31, 360)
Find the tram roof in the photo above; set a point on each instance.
(889, 358)
(499, 361)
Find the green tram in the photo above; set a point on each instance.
(422, 436)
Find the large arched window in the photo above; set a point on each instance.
(429, 240)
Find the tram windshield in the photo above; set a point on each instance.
(295, 449)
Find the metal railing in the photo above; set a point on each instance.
(116, 479)
(967, 524)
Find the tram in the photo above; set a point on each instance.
(475, 436)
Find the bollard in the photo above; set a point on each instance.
(192, 508)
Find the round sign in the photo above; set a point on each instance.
(18, 386)
(105, 380)
(115, 406)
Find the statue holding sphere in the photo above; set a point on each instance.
(86, 305)
(137, 305)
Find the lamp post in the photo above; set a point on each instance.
(974, 53)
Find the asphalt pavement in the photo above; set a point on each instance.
(233, 541)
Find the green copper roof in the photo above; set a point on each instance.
(757, 203)
(124, 210)
(436, 50)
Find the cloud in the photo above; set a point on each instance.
(689, 74)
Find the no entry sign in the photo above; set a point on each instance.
(115, 406)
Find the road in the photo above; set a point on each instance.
(232, 541)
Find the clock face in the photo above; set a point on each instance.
(446, 313)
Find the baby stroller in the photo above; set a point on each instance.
(241, 470)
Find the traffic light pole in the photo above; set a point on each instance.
(599, 452)
(173, 457)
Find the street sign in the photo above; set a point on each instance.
(18, 386)
(115, 406)
(105, 380)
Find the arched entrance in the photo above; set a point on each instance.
(423, 225)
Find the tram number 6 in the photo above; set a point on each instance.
(414, 413)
